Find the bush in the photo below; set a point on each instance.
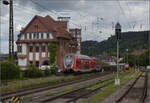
(54, 70)
(9, 70)
(47, 72)
(33, 72)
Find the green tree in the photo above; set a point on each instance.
(9, 70)
(11, 58)
(131, 60)
(53, 53)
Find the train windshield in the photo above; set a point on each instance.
(68, 60)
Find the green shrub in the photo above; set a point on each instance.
(9, 70)
(54, 70)
(33, 72)
(47, 72)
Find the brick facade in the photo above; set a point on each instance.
(38, 34)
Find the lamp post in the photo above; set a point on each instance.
(11, 30)
(118, 35)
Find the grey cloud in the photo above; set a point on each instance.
(57, 5)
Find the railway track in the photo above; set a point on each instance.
(27, 91)
(78, 93)
(137, 92)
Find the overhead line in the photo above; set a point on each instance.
(50, 11)
(124, 13)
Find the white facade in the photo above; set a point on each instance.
(24, 49)
(37, 56)
(30, 56)
(22, 62)
(43, 54)
(44, 35)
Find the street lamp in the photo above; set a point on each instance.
(118, 35)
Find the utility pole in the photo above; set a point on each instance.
(118, 35)
(11, 28)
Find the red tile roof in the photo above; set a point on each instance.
(60, 27)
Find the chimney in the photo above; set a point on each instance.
(64, 21)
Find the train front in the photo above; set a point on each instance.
(68, 62)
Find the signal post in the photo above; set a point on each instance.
(118, 35)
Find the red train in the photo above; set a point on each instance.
(126, 67)
(80, 63)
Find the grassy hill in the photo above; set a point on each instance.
(129, 40)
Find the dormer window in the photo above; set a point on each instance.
(30, 36)
(41, 35)
(47, 35)
(34, 35)
(25, 35)
(37, 35)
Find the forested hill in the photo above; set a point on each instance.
(129, 40)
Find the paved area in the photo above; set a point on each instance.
(148, 95)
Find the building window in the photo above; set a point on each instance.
(43, 48)
(37, 63)
(31, 48)
(25, 36)
(41, 35)
(19, 48)
(47, 35)
(31, 62)
(37, 35)
(30, 36)
(37, 49)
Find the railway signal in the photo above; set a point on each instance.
(118, 35)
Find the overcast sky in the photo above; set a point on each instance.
(95, 17)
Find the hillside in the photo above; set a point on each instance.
(129, 40)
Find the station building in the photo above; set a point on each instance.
(40, 32)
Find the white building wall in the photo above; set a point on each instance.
(37, 56)
(22, 62)
(22, 37)
(43, 54)
(31, 56)
(24, 49)
(50, 36)
(32, 35)
(27, 35)
(44, 35)
(39, 35)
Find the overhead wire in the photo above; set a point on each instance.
(122, 10)
(51, 11)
